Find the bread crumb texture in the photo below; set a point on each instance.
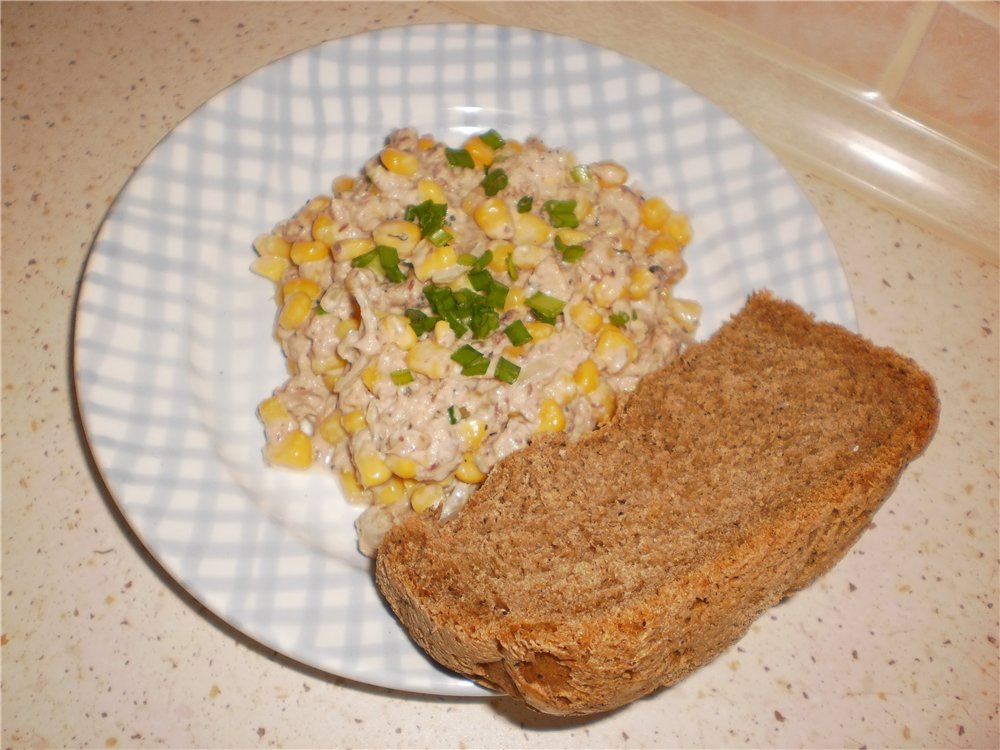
(584, 575)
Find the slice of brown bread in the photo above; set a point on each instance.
(584, 575)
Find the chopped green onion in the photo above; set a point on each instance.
(480, 280)
(483, 322)
(440, 237)
(364, 259)
(545, 307)
(506, 370)
(496, 294)
(561, 213)
(524, 204)
(452, 419)
(492, 139)
(580, 173)
(319, 309)
(570, 253)
(388, 257)
(401, 377)
(494, 181)
(467, 259)
(518, 333)
(459, 157)
(511, 268)
(420, 321)
(466, 355)
(483, 260)
(430, 218)
(618, 319)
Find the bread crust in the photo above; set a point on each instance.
(584, 575)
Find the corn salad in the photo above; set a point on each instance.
(445, 306)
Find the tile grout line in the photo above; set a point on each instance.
(892, 77)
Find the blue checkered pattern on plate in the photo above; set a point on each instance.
(173, 345)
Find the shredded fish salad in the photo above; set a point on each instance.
(446, 305)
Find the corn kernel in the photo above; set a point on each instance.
(271, 410)
(352, 248)
(271, 244)
(604, 401)
(293, 451)
(354, 421)
(324, 229)
(345, 326)
(515, 146)
(343, 183)
(352, 488)
(472, 432)
(516, 297)
(584, 315)
(399, 162)
(331, 429)
(389, 492)
(403, 467)
(369, 376)
(531, 229)
(653, 213)
(334, 363)
(572, 236)
(550, 416)
(397, 330)
(372, 470)
(528, 256)
(494, 218)
(501, 250)
(606, 291)
(426, 496)
(437, 260)
(562, 389)
(539, 331)
(686, 312)
(587, 376)
(472, 200)
(481, 152)
(426, 142)
(678, 227)
(308, 251)
(402, 235)
(429, 358)
(662, 243)
(641, 283)
(307, 287)
(330, 380)
(295, 311)
(468, 472)
(583, 208)
(270, 266)
(430, 190)
(609, 173)
(614, 350)
(317, 204)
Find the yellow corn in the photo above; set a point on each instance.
(494, 218)
(515, 146)
(352, 248)
(686, 312)
(678, 227)
(443, 334)
(584, 315)
(426, 496)
(308, 251)
(609, 173)
(293, 451)
(372, 470)
(399, 162)
(662, 243)
(472, 200)
(429, 358)
(606, 291)
(402, 235)
(330, 380)
(270, 266)
(614, 350)
(403, 467)
(369, 376)
(430, 190)
(426, 142)
(438, 259)
(354, 421)
(271, 244)
(528, 256)
(641, 283)
(345, 326)
(468, 472)
(587, 376)
(562, 389)
(352, 488)
(333, 363)
(324, 229)
(307, 287)
(331, 429)
(271, 410)
(531, 229)
(481, 152)
(539, 331)
(472, 432)
(653, 213)
(550, 416)
(295, 311)
(572, 236)
(343, 183)
(389, 492)
(583, 208)
(604, 401)
(515, 298)
(317, 204)
(397, 329)
(501, 250)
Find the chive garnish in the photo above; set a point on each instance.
(430, 218)
(492, 139)
(472, 361)
(524, 204)
(401, 377)
(561, 213)
(420, 321)
(388, 257)
(545, 307)
(452, 419)
(518, 333)
(494, 181)
(570, 253)
(506, 370)
(580, 173)
(459, 157)
(618, 319)
(364, 259)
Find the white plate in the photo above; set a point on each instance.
(173, 344)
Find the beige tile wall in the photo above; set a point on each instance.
(936, 62)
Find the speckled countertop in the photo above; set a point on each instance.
(896, 647)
